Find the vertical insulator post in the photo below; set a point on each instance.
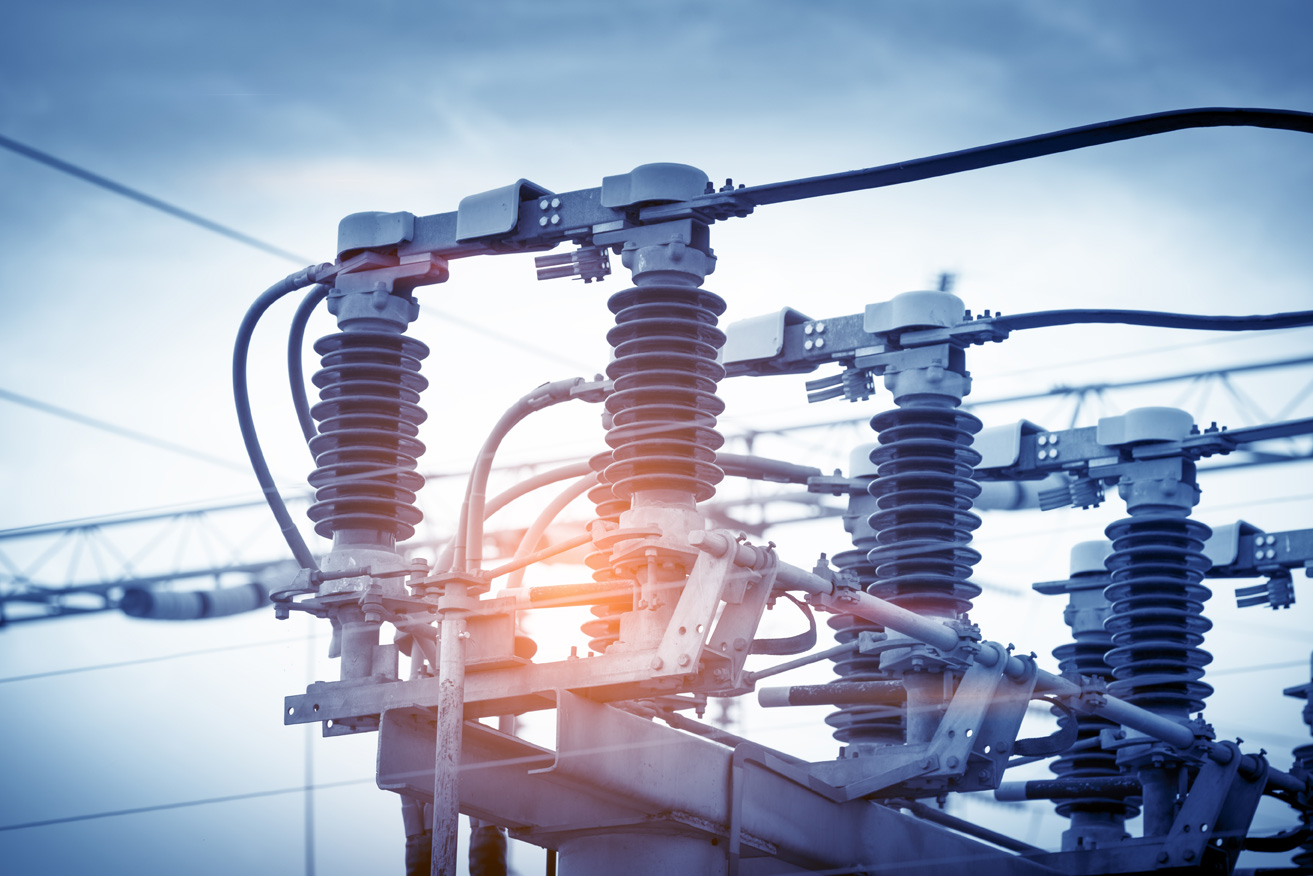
(924, 490)
(369, 415)
(1096, 821)
(861, 728)
(1157, 625)
(661, 423)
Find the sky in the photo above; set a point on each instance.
(279, 119)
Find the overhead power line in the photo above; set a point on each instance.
(121, 431)
(154, 203)
(157, 659)
(298, 789)
(264, 246)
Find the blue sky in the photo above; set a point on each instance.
(278, 119)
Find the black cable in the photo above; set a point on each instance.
(1285, 841)
(142, 198)
(1155, 318)
(1019, 150)
(295, 374)
(789, 645)
(242, 399)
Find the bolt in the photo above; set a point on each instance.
(740, 644)
(808, 329)
(952, 763)
(1189, 855)
(657, 663)
(820, 327)
(1162, 857)
(542, 220)
(807, 345)
(685, 660)
(556, 219)
(820, 342)
(556, 202)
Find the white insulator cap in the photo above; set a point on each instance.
(859, 461)
(1088, 556)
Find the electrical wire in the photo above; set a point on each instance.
(138, 810)
(143, 198)
(120, 431)
(469, 528)
(521, 346)
(158, 659)
(241, 397)
(504, 498)
(1155, 319)
(1010, 151)
(295, 344)
(529, 543)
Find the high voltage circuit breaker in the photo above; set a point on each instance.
(926, 705)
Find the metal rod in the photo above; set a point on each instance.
(545, 553)
(801, 661)
(840, 693)
(1067, 789)
(450, 721)
(920, 810)
(945, 638)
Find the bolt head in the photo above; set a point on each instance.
(685, 660)
(657, 663)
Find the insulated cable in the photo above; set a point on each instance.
(469, 529)
(504, 498)
(1009, 151)
(1154, 318)
(295, 373)
(529, 543)
(242, 400)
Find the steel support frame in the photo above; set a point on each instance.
(617, 773)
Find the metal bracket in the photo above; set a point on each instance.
(494, 213)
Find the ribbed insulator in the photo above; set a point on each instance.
(664, 405)
(854, 725)
(604, 629)
(924, 489)
(366, 449)
(608, 507)
(1157, 621)
(1085, 656)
